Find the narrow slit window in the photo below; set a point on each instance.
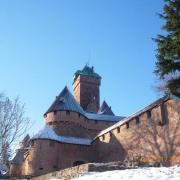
(52, 143)
(118, 129)
(127, 125)
(137, 120)
(149, 114)
(67, 112)
(32, 143)
(103, 137)
(110, 134)
(55, 166)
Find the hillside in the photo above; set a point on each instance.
(151, 173)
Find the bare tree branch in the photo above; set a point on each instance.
(13, 124)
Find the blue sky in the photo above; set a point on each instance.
(43, 42)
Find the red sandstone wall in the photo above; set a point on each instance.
(74, 124)
(47, 156)
(151, 142)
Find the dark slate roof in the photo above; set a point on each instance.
(127, 119)
(65, 101)
(88, 71)
(105, 109)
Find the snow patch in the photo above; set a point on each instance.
(152, 173)
(48, 133)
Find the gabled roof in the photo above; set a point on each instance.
(138, 113)
(48, 133)
(88, 71)
(105, 109)
(65, 101)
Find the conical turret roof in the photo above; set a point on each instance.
(65, 101)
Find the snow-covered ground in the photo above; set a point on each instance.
(151, 173)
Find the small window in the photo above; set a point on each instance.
(32, 143)
(40, 168)
(96, 121)
(118, 129)
(55, 167)
(149, 114)
(51, 143)
(110, 134)
(79, 115)
(137, 120)
(55, 112)
(50, 123)
(127, 125)
(67, 112)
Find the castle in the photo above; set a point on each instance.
(78, 130)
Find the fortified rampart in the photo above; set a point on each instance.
(152, 134)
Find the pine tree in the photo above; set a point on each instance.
(168, 48)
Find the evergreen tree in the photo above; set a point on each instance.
(168, 48)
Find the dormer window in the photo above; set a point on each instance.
(62, 100)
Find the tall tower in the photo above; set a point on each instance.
(86, 85)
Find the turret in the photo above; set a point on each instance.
(86, 87)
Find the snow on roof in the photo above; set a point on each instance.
(48, 133)
(65, 101)
(103, 117)
(105, 109)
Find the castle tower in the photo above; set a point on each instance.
(86, 85)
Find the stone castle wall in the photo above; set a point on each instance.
(153, 135)
(68, 123)
(46, 156)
